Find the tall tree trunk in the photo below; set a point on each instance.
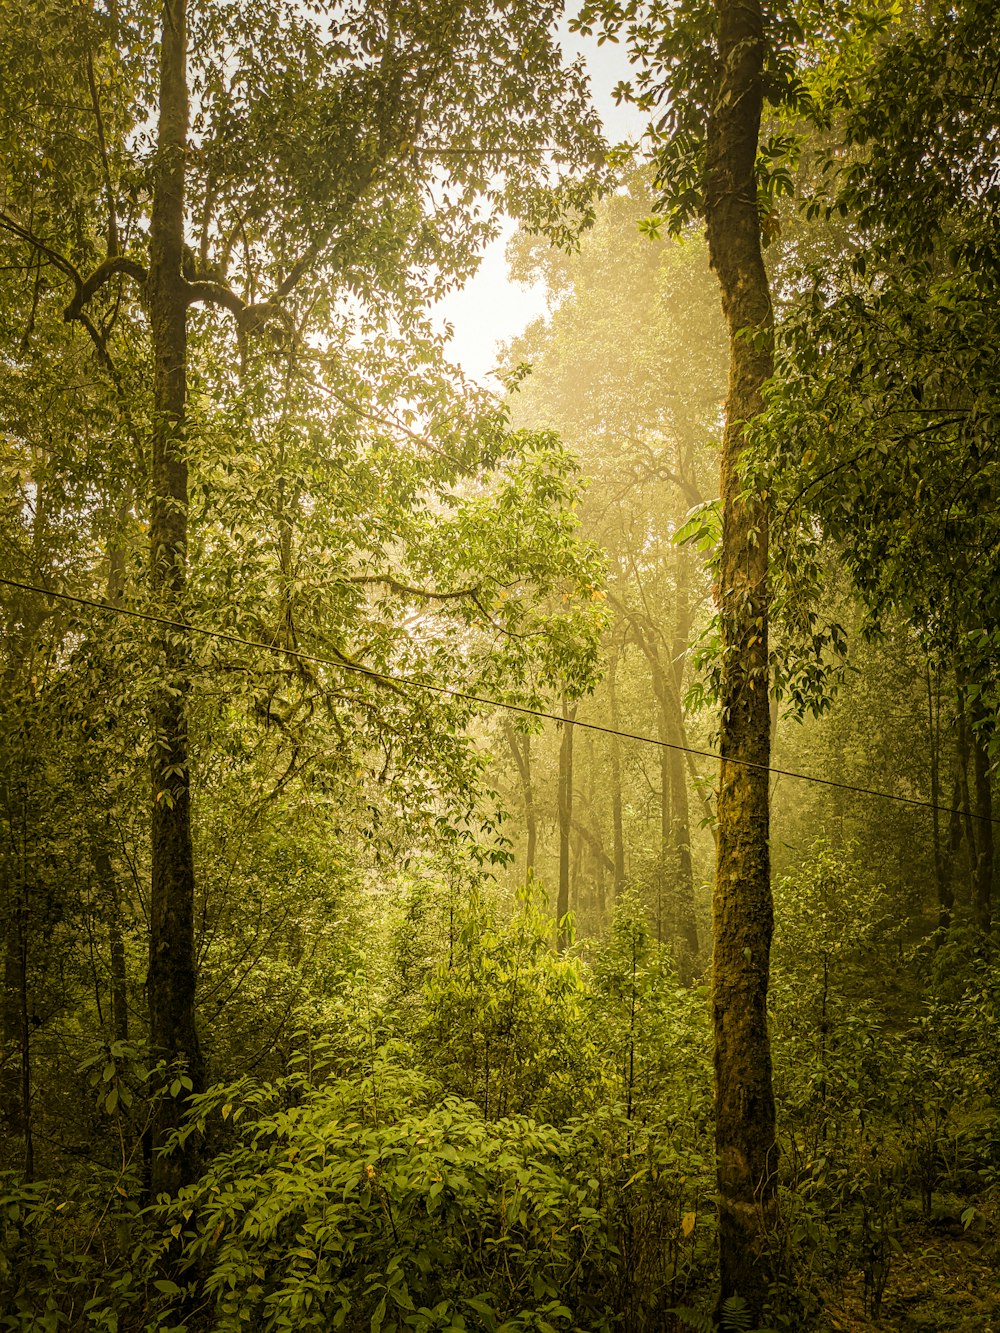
(680, 812)
(963, 780)
(746, 1150)
(675, 820)
(18, 639)
(171, 979)
(945, 895)
(565, 817)
(665, 892)
(15, 1070)
(680, 840)
(946, 875)
(616, 779)
(103, 861)
(973, 742)
(680, 828)
(945, 850)
(520, 748)
(982, 879)
(111, 897)
(10, 1020)
(12, 1033)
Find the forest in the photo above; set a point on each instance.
(507, 854)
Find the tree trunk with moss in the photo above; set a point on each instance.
(743, 911)
(171, 980)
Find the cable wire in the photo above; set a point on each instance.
(453, 692)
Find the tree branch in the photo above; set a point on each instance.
(105, 164)
(205, 292)
(406, 590)
(88, 288)
(23, 234)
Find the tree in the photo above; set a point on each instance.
(885, 402)
(565, 816)
(301, 196)
(708, 69)
(743, 911)
(630, 318)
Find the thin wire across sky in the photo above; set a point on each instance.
(453, 692)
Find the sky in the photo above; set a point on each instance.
(491, 308)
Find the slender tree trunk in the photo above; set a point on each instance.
(946, 884)
(577, 893)
(16, 641)
(600, 886)
(680, 827)
(530, 818)
(971, 832)
(945, 896)
(565, 817)
(982, 880)
(27, 1129)
(15, 1070)
(665, 891)
(945, 849)
(675, 819)
(616, 780)
(520, 748)
(746, 1150)
(103, 861)
(680, 839)
(108, 880)
(171, 979)
(10, 1005)
(589, 843)
(19, 897)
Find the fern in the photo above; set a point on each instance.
(735, 1318)
(736, 1315)
(695, 1319)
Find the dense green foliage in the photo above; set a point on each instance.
(454, 960)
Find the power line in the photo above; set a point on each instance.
(452, 692)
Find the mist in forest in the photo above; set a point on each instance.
(498, 851)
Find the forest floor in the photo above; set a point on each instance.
(944, 1279)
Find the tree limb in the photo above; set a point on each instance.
(24, 234)
(407, 590)
(88, 288)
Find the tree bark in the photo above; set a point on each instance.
(746, 1150)
(171, 980)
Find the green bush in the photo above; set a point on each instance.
(503, 1019)
(372, 1204)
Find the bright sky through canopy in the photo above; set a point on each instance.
(492, 308)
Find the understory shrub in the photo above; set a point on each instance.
(371, 1203)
